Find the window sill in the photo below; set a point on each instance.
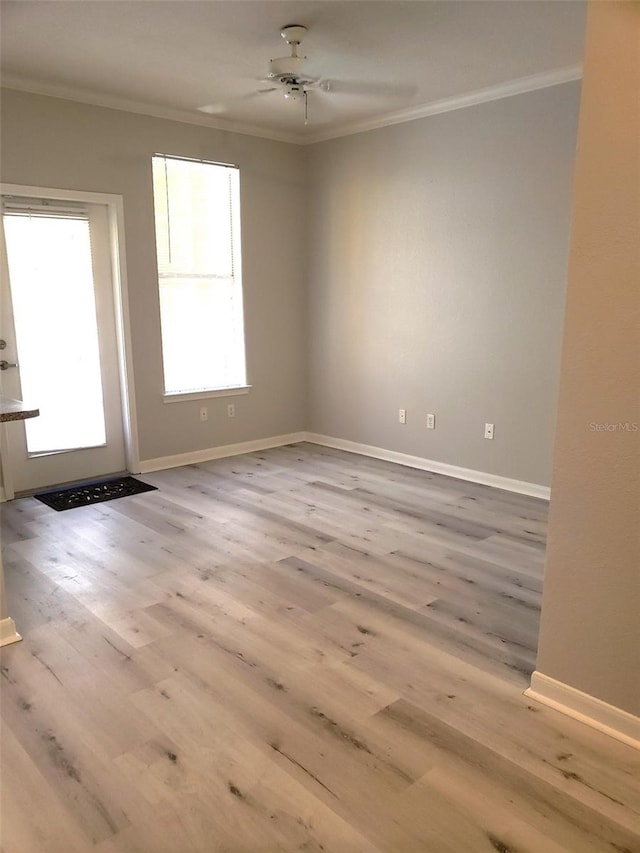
(206, 395)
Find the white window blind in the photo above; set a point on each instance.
(197, 218)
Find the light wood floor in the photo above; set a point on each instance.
(295, 650)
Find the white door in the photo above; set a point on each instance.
(61, 353)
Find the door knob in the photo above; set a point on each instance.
(2, 344)
(5, 365)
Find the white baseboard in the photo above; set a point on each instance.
(195, 456)
(420, 462)
(587, 709)
(8, 633)
(469, 474)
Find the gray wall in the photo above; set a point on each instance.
(419, 266)
(590, 628)
(55, 143)
(437, 282)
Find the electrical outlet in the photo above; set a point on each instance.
(431, 421)
(488, 431)
(231, 410)
(204, 413)
(402, 416)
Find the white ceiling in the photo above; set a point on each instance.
(169, 57)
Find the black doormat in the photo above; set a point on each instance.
(93, 493)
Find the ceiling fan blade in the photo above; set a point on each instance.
(212, 109)
(360, 87)
(222, 106)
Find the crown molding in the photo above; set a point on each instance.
(458, 102)
(97, 99)
(445, 105)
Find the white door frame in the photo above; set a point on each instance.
(115, 214)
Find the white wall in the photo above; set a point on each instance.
(437, 282)
(590, 628)
(56, 143)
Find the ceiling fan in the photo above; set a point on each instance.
(287, 76)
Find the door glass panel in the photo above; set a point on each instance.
(52, 288)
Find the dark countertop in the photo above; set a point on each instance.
(15, 410)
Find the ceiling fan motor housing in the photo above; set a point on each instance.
(286, 66)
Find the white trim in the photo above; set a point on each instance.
(6, 493)
(8, 633)
(86, 196)
(458, 102)
(494, 480)
(205, 395)
(210, 453)
(115, 209)
(585, 708)
(469, 99)
(115, 212)
(97, 99)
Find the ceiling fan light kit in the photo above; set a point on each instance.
(294, 92)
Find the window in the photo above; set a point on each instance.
(197, 217)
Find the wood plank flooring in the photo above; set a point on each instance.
(295, 650)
